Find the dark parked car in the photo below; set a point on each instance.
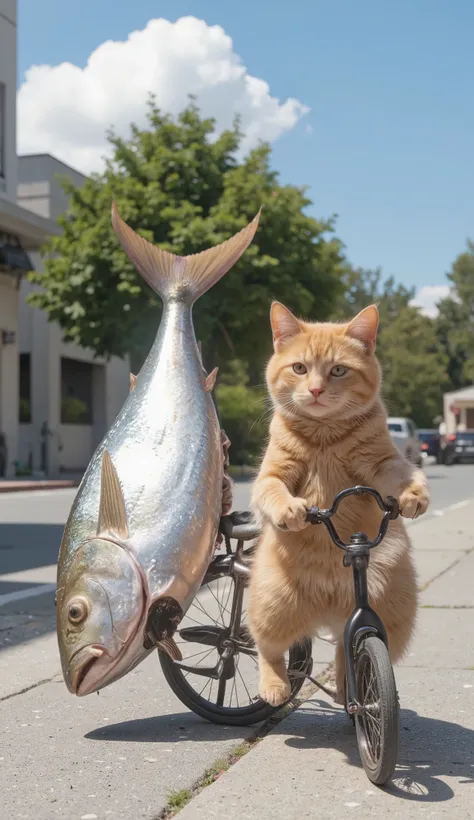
(459, 447)
(3, 455)
(430, 442)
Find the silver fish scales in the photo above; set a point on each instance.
(142, 528)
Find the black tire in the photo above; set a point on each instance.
(377, 729)
(300, 660)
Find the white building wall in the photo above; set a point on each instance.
(8, 82)
(70, 446)
(9, 388)
(32, 182)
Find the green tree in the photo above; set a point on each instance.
(185, 189)
(363, 287)
(455, 320)
(242, 413)
(413, 361)
(414, 367)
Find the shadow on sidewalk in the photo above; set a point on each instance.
(27, 546)
(170, 728)
(429, 749)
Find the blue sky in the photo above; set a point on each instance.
(389, 85)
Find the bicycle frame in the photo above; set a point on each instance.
(363, 620)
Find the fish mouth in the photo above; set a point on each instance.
(80, 664)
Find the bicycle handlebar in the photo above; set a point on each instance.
(390, 508)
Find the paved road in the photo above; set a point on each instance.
(117, 755)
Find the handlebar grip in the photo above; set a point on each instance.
(393, 507)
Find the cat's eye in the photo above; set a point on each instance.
(339, 370)
(300, 368)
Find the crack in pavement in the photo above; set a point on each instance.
(29, 688)
(444, 571)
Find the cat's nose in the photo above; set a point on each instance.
(316, 391)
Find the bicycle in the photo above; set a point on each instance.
(371, 694)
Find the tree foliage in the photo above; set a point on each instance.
(412, 358)
(455, 320)
(183, 187)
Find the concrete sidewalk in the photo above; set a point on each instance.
(18, 485)
(308, 766)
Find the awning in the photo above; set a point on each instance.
(13, 258)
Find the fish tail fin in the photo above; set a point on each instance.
(184, 277)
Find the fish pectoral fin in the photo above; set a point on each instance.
(211, 380)
(171, 648)
(112, 514)
(133, 381)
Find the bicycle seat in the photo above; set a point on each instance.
(239, 525)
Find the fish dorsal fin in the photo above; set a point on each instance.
(133, 381)
(112, 515)
(211, 380)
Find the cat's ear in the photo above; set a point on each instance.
(284, 325)
(364, 326)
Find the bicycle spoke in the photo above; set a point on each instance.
(198, 603)
(209, 680)
(241, 678)
(218, 604)
(201, 661)
(231, 585)
(232, 692)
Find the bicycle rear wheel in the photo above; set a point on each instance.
(202, 636)
(377, 721)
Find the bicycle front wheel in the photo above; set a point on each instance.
(378, 719)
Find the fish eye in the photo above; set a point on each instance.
(77, 610)
(300, 368)
(339, 370)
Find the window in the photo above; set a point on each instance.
(2, 131)
(394, 427)
(76, 391)
(25, 388)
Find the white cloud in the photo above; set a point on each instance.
(65, 110)
(427, 298)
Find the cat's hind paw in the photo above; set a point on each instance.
(275, 693)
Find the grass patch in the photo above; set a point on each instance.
(177, 801)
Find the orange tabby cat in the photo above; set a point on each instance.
(329, 432)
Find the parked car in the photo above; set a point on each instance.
(3, 455)
(459, 447)
(404, 436)
(430, 443)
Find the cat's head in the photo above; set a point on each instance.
(323, 370)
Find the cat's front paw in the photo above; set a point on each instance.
(292, 516)
(414, 501)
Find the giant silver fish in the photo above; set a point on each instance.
(143, 525)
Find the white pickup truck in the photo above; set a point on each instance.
(404, 436)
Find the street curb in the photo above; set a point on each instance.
(31, 486)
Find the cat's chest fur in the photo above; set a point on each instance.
(325, 474)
